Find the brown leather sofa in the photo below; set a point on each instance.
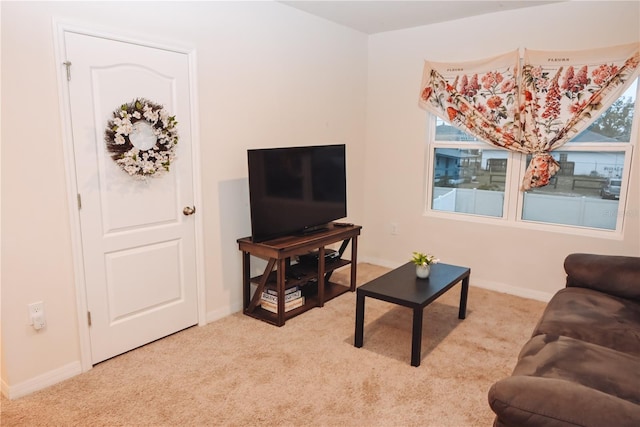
(582, 365)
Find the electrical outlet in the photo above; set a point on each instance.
(36, 315)
(395, 229)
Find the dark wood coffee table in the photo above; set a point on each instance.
(402, 287)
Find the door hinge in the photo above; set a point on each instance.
(68, 65)
(79, 201)
(89, 318)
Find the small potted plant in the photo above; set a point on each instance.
(423, 263)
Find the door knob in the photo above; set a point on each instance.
(188, 210)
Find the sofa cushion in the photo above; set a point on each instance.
(561, 381)
(599, 368)
(593, 317)
(533, 401)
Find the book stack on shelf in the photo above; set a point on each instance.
(293, 298)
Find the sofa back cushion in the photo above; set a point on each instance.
(615, 275)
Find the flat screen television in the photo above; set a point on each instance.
(296, 189)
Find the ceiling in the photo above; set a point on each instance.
(372, 17)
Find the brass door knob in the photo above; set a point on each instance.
(188, 210)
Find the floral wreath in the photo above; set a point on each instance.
(142, 138)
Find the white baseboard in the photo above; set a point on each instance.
(513, 290)
(380, 262)
(4, 389)
(214, 315)
(492, 286)
(42, 381)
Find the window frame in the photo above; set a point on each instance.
(516, 167)
(466, 145)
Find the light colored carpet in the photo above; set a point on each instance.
(239, 371)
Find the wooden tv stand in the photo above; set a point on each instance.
(279, 252)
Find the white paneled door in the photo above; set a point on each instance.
(138, 235)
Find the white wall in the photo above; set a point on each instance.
(269, 75)
(523, 261)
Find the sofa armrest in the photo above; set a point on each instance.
(535, 401)
(611, 274)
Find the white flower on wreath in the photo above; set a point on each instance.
(150, 114)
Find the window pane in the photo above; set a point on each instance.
(446, 132)
(469, 181)
(614, 125)
(585, 192)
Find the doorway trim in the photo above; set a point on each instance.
(59, 29)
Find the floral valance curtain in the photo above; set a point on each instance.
(532, 109)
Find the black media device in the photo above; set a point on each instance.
(296, 189)
(313, 257)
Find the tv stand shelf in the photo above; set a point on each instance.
(280, 274)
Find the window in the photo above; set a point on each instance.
(471, 178)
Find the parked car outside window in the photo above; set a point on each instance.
(611, 189)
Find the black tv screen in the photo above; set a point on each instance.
(296, 189)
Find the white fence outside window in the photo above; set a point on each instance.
(577, 211)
